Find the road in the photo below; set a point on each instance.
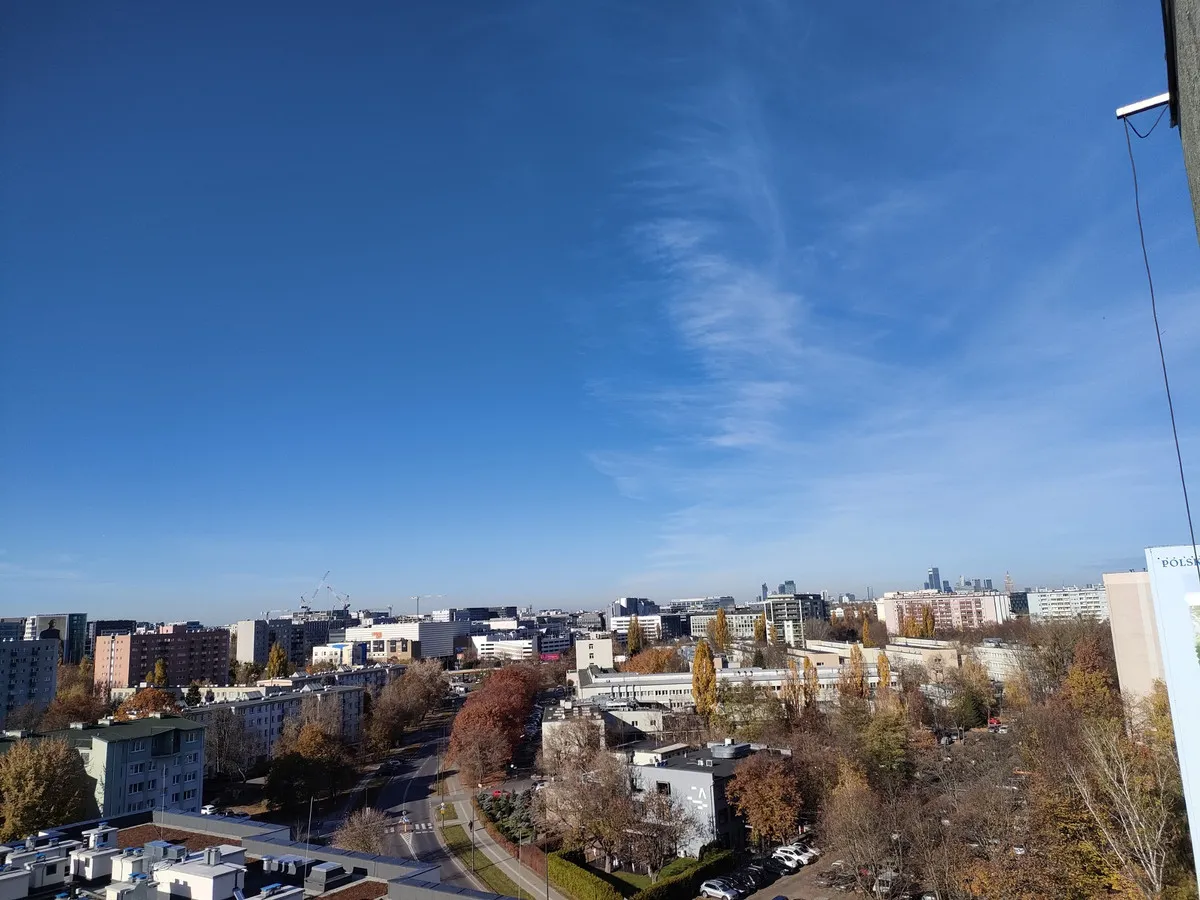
(412, 794)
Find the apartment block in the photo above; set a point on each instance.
(28, 674)
(106, 626)
(1089, 602)
(262, 718)
(741, 624)
(950, 611)
(253, 639)
(151, 763)
(202, 655)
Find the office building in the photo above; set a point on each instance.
(434, 640)
(1134, 632)
(1018, 603)
(764, 592)
(261, 719)
(1089, 602)
(12, 628)
(691, 605)
(933, 580)
(151, 763)
(950, 611)
(632, 606)
(70, 628)
(28, 674)
(105, 626)
(657, 627)
(789, 607)
(124, 660)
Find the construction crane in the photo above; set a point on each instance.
(343, 599)
(307, 601)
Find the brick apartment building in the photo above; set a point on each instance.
(123, 660)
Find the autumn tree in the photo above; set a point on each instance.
(886, 747)
(928, 628)
(229, 748)
(760, 629)
(719, 635)
(791, 693)
(663, 824)
(853, 681)
(812, 684)
(633, 640)
(491, 722)
(362, 831)
(853, 822)
(764, 789)
(884, 670)
(157, 677)
(867, 640)
(308, 761)
(278, 665)
(43, 784)
(746, 710)
(147, 700)
(704, 680)
(971, 694)
(655, 660)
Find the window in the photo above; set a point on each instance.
(51, 868)
(151, 784)
(190, 776)
(189, 758)
(190, 737)
(150, 803)
(663, 788)
(175, 779)
(136, 788)
(188, 795)
(175, 797)
(139, 746)
(137, 768)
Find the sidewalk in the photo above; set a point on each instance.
(533, 885)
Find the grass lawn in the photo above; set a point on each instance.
(459, 843)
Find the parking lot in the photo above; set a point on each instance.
(801, 886)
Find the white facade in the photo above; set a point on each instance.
(741, 625)
(436, 640)
(651, 626)
(594, 651)
(346, 653)
(1090, 602)
(502, 646)
(204, 876)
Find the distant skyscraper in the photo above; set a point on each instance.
(789, 587)
(765, 591)
(945, 587)
(934, 580)
(1009, 587)
(978, 584)
(987, 584)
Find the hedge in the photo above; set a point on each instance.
(686, 885)
(574, 878)
(526, 854)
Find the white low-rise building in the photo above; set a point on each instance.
(45, 857)
(395, 640)
(344, 653)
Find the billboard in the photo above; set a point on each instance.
(551, 657)
(1175, 586)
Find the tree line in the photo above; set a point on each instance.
(491, 723)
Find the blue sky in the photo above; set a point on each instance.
(555, 302)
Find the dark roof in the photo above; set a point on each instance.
(124, 731)
(720, 768)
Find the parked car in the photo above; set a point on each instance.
(743, 881)
(775, 867)
(208, 810)
(719, 890)
(788, 858)
(765, 875)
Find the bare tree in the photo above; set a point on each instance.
(592, 808)
(1130, 789)
(568, 747)
(362, 831)
(665, 824)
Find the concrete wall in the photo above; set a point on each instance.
(1134, 631)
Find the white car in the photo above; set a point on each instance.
(208, 810)
(804, 852)
(788, 857)
(719, 890)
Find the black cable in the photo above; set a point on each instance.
(1152, 127)
(1137, 205)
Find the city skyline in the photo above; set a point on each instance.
(498, 301)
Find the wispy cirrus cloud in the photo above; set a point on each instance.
(876, 365)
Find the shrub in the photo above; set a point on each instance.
(686, 885)
(574, 878)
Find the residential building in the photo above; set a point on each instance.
(70, 628)
(594, 651)
(632, 606)
(741, 624)
(697, 779)
(345, 653)
(151, 763)
(124, 660)
(1134, 632)
(434, 640)
(657, 627)
(28, 674)
(1088, 602)
(255, 637)
(12, 628)
(262, 719)
(373, 676)
(950, 611)
(789, 607)
(1004, 662)
(106, 626)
